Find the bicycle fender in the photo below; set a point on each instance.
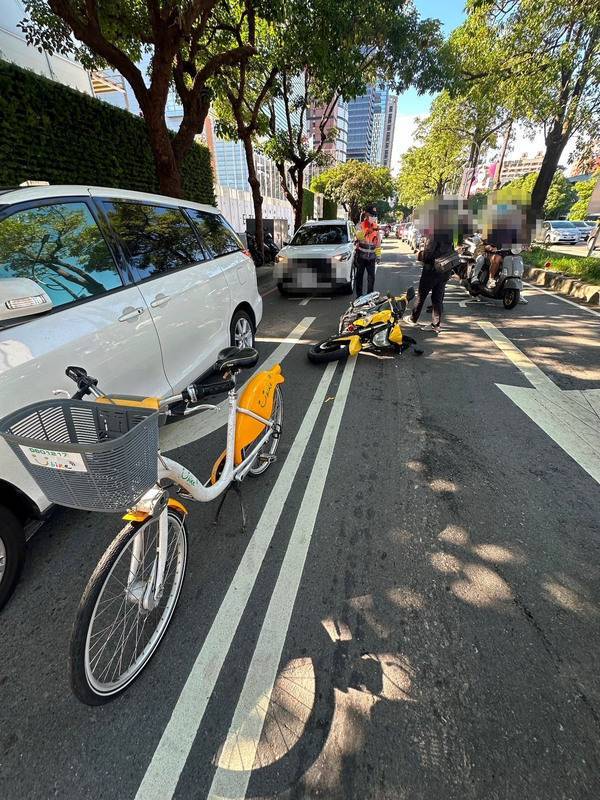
(141, 516)
(258, 397)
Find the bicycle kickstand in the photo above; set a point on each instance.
(235, 485)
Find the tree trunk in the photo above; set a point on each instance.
(299, 201)
(165, 163)
(257, 199)
(555, 144)
(498, 175)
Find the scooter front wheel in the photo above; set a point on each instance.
(328, 351)
(510, 298)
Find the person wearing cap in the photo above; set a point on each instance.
(368, 249)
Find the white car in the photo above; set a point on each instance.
(559, 231)
(584, 228)
(320, 256)
(142, 291)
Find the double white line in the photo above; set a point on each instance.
(164, 770)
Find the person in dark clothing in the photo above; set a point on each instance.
(433, 278)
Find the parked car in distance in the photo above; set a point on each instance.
(584, 228)
(141, 290)
(320, 256)
(559, 231)
(413, 237)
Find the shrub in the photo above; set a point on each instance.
(54, 133)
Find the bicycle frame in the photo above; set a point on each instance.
(153, 500)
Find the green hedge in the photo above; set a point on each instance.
(585, 268)
(53, 133)
(329, 209)
(308, 205)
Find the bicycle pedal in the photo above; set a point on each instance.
(266, 458)
(184, 495)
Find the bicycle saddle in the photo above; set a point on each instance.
(234, 358)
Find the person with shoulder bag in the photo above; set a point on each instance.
(439, 258)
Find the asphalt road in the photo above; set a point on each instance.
(421, 621)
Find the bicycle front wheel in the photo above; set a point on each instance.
(119, 625)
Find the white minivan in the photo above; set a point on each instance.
(141, 290)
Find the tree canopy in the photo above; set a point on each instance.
(355, 185)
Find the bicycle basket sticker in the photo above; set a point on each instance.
(54, 459)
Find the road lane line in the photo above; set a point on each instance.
(270, 291)
(190, 430)
(168, 761)
(533, 373)
(564, 299)
(262, 672)
(569, 418)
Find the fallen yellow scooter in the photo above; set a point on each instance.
(371, 322)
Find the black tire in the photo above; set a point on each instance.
(510, 298)
(241, 325)
(327, 351)
(87, 606)
(12, 553)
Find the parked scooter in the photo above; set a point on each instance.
(271, 248)
(474, 271)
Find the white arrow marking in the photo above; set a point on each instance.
(571, 418)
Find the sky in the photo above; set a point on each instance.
(411, 105)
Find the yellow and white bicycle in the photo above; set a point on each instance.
(104, 456)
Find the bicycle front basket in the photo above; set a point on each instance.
(91, 456)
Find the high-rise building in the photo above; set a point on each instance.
(361, 121)
(371, 123)
(388, 130)
(338, 119)
(519, 167)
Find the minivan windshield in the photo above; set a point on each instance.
(320, 234)
(562, 223)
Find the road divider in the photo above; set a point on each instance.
(168, 761)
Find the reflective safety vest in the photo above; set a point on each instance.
(367, 238)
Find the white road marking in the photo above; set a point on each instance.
(307, 300)
(194, 428)
(262, 672)
(275, 340)
(571, 418)
(580, 306)
(270, 291)
(168, 761)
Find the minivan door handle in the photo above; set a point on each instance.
(160, 300)
(129, 312)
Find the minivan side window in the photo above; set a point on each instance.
(61, 248)
(217, 236)
(157, 239)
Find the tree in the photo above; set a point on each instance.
(385, 41)
(541, 60)
(187, 44)
(243, 92)
(355, 185)
(434, 165)
(558, 201)
(584, 191)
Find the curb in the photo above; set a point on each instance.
(558, 282)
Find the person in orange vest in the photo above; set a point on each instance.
(368, 250)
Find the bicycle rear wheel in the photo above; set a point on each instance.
(266, 454)
(114, 636)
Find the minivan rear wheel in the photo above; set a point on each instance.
(241, 330)
(12, 552)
